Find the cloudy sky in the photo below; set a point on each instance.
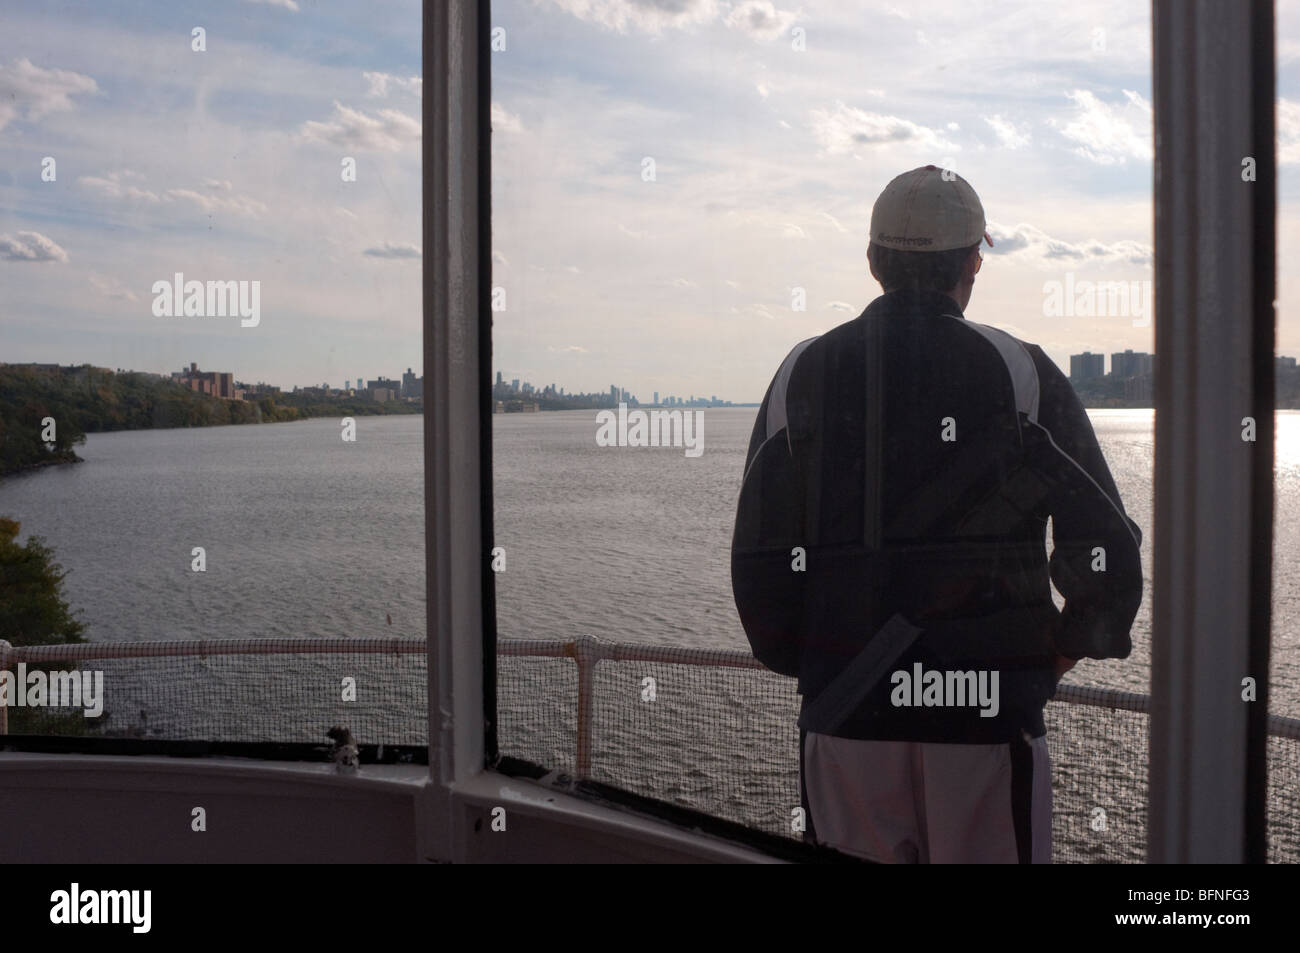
(668, 175)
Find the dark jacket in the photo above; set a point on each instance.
(914, 458)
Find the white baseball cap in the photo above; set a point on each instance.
(928, 209)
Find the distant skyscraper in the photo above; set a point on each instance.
(498, 378)
(347, 385)
(613, 392)
(1131, 363)
(656, 398)
(514, 385)
(1087, 365)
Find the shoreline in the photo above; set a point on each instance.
(41, 465)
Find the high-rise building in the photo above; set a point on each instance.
(656, 398)
(1131, 364)
(514, 385)
(613, 392)
(498, 378)
(408, 383)
(1087, 365)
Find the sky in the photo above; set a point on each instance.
(682, 189)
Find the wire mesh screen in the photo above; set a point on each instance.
(724, 741)
(537, 711)
(1283, 800)
(285, 697)
(692, 728)
(1099, 784)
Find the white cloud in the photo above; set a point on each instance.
(380, 83)
(649, 16)
(566, 349)
(240, 204)
(839, 306)
(834, 221)
(287, 4)
(31, 246)
(790, 230)
(1035, 246)
(683, 283)
(1288, 131)
(1009, 135)
(113, 187)
(846, 128)
(1108, 134)
(503, 121)
(112, 288)
(760, 19)
(388, 131)
(394, 250)
(34, 92)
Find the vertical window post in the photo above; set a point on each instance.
(455, 234)
(1215, 192)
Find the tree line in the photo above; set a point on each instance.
(86, 399)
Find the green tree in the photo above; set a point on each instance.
(33, 611)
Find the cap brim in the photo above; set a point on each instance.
(987, 239)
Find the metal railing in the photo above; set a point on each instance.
(586, 652)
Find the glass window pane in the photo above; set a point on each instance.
(210, 255)
(680, 197)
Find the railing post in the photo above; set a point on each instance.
(586, 652)
(5, 651)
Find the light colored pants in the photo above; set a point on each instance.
(912, 802)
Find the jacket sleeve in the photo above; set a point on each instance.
(769, 592)
(1096, 562)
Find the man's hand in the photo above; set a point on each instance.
(1063, 665)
